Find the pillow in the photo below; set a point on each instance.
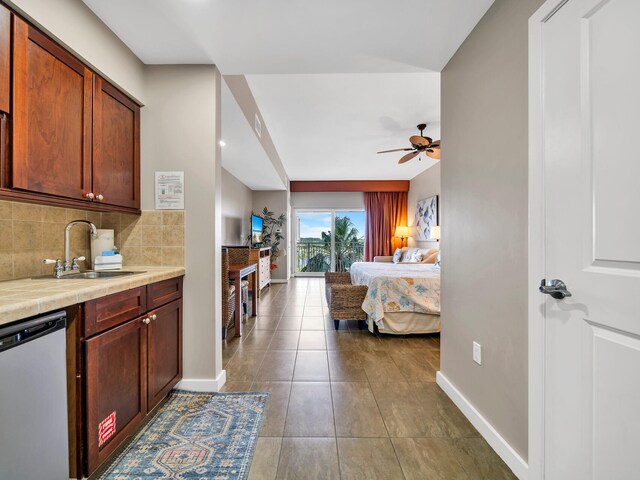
(412, 255)
(431, 258)
(397, 255)
(430, 255)
(437, 264)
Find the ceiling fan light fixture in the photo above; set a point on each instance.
(419, 145)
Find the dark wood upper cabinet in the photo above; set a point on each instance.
(116, 147)
(52, 117)
(164, 339)
(116, 363)
(5, 60)
(68, 137)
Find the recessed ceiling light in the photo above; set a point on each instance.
(222, 143)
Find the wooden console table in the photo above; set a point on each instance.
(237, 273)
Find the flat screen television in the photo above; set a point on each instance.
(256, 229)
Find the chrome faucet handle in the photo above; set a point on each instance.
(74, 263)
(58, 269)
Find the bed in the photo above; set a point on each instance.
(402, 298)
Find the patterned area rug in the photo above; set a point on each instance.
(195, 436)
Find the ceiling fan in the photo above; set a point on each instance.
(419, 144)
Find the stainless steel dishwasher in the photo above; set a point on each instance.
(33, 399)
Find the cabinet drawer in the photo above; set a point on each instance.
(163, 292)
(106, 312)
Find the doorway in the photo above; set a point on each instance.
(327, 240)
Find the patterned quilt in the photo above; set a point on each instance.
(397, 287)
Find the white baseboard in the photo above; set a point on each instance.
(515, 462)
(279, 280)
(203, 384)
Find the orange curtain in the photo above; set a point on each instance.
(384, 211)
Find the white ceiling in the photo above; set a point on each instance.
(285, 36)
(329, 127)
(243, 155)
(335, 80)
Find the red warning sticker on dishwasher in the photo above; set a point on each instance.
(106, 429)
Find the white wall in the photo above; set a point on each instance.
(180, 127)
(346, 200)
(484, 225)
(72, 23)
(237, 205)
(423, 186)
(278, 202)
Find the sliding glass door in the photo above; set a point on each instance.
(328, 240)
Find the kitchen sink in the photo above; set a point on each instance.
(99, 274)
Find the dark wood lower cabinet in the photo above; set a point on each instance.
(116, 388)
(131, 360)
(164, 339)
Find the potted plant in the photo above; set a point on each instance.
(272, 233)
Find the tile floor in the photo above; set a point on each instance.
(349, 404)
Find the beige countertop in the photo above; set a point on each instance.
(27, 297)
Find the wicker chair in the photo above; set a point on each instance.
(241, 256)
(344, 299)
(228, 296)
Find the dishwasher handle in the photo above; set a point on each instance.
(27, 330)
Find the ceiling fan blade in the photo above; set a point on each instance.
(397, 150)
(408, 157)
(435, 144)
(418, 140)
(434, 153)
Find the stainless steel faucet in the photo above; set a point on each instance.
(70, 265)
(73, 265)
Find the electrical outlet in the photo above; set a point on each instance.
(477, 353)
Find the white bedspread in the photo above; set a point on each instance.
(397, 287)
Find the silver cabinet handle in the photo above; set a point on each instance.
(153, 317)
(556, 288)
(90, 196)
(146, 321)
(99, 197)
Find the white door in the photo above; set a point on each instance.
(591, 147)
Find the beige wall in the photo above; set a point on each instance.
(353, 200)
(77, 27)
(237, 205)
(422, 186)
(484, 207)
(278, 202)
(179, 132)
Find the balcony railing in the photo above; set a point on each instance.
(314, 257)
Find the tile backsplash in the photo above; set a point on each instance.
(155, 238)
(29, 233)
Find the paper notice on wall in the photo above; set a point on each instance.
(169, 190)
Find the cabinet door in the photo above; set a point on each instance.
(165, 351)
(51, 117)
(116, 154)
(116, 389)
(5, 59)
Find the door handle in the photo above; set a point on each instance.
(556, 288)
